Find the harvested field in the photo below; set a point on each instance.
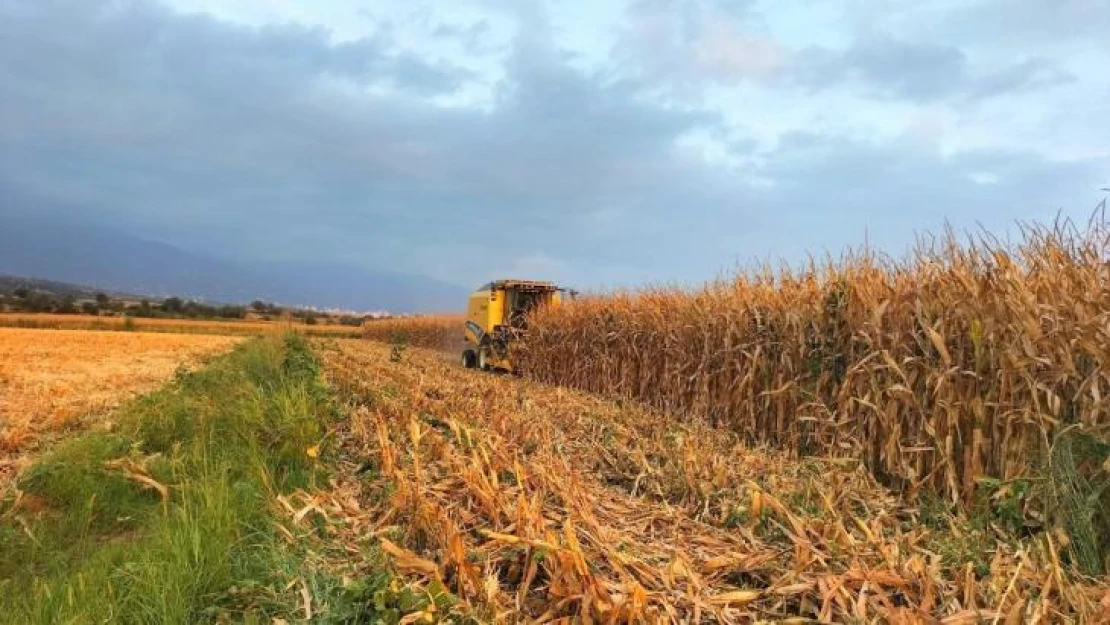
(531, 502)
(52, 379)
(178, 326)
(443, 332)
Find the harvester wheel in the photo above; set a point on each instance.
(483, 360)
(469, 360)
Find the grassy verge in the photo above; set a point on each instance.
(169, 518)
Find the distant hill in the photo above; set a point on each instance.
(10, 284)
(46, 247)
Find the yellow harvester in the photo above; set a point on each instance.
(496, 314)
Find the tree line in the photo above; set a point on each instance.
(24, 299)
(29, 300)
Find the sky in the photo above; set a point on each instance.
(600, 143)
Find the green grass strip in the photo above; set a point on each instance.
(89, 542)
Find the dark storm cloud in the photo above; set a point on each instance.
(918, 71)
(228, 137)
(472, 36)
(280, 143)
(690, 44)
(141, 42)
(896, 189)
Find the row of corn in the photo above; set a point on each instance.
(966, 360)
(431, 332)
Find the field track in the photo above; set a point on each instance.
(52, 379)
(535, 502)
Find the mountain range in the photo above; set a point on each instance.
(45, 246)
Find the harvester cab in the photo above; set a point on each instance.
(496, 315)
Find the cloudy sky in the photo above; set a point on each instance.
(597, 142)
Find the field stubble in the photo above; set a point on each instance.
(53, 379)
(51, 321)
(535, 502)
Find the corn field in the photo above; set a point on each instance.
(444, 333)
(967, 359)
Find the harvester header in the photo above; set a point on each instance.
(496, 314)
